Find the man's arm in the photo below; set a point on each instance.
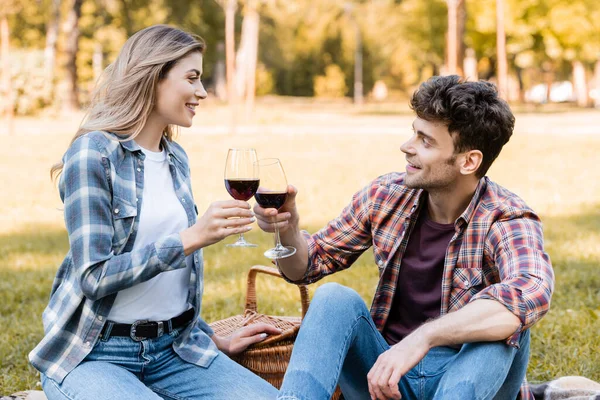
(333, 248)
(287, 219)
(479, 321)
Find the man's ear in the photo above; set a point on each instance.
(470, 162)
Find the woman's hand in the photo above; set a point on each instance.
(221, 219)
(239, 340)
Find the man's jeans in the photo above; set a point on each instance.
(120, 368)
(338, 341)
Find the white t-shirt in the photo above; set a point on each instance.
(164, 296)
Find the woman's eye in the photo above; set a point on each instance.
(193, 78)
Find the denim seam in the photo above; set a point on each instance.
(166, 393)
(350, 332)
(505, 374)
(59, 389)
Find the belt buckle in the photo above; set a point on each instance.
(132, 331)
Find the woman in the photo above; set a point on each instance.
(123, 319)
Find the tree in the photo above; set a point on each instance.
(50, 50)
(8, 7)
(70, 99)
(501, 50)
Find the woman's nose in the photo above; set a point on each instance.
(200, 92)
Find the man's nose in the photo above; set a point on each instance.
(407, 146)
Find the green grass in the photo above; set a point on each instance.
(556, 173)
(565, 342)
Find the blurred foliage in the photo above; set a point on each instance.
(403, 41)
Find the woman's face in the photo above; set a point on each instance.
(179, 92)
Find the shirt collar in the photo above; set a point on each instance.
(130, 145)
(470, 210)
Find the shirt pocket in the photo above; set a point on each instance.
(124, 213)
(466, 282)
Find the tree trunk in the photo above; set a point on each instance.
(70, 98)
(580, 84)
(6, 78)
(452, 67)
(50, 50)
(245, 78)
(230, 48)
(460, 33)
(252, 32)
(470, 66)
(597, 84)
(97, 60)
(358, 66)
(501, 50)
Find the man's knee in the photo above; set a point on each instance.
(336, 296)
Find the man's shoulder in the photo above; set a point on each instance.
(503, 203)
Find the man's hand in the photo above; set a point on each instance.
(391, 365)
(239, 340)
(286, 216)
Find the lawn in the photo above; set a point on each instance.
(554, 170)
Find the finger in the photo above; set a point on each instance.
(232, 204)
(292, 192)
(237, 222)
(259, 211)
(383, 383)
(234, 231)
(260, 327)
(234, 212)
(280, 217)
(393, 383)
(247, 341)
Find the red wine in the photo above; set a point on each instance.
(242, 189)
(271, 199)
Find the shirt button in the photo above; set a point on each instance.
(183, 200)
(88, 344)
(100, 318)
(116, 210)
(466, 283)
(380, 263)
(137, 199)
(139, 169)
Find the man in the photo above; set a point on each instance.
(463, 272)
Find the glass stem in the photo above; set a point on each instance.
(277, 239)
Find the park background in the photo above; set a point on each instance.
(324, 86)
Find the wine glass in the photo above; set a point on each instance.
(272, 193)
(241, 180)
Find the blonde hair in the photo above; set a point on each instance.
(125, 94)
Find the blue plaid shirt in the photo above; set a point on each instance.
(101, 187)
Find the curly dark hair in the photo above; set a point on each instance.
(477, 118)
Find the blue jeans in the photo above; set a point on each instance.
(338, 344)
(119, 368)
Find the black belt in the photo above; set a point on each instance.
(144, 329)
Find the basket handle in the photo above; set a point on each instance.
(251, 291)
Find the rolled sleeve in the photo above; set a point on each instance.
(342, 241)
(526, 275)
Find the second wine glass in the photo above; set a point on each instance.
(272, 193)
(241, 180)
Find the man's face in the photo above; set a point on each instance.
(430, 155)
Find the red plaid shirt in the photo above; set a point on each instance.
(497, 251)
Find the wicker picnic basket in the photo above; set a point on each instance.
(268, 359)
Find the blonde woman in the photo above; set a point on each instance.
(123, 321)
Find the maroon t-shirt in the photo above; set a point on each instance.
(418, 294)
